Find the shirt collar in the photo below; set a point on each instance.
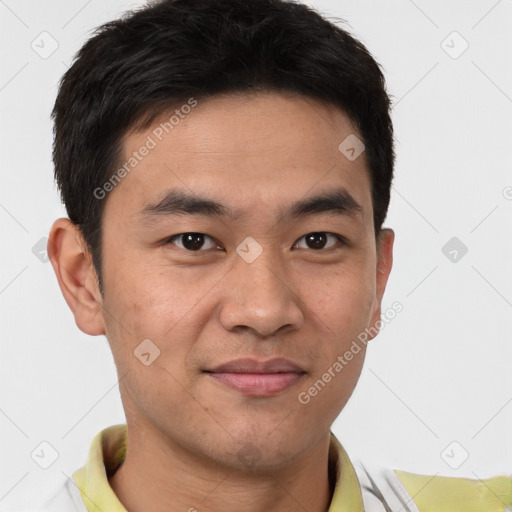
(108, 450)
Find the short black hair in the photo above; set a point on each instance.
(134, 69)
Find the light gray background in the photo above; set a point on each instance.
(439, 372)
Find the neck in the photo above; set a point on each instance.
(169, 478)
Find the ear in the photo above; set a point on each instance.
(78, 281)
(383, 268)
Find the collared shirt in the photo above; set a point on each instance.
(358, 488)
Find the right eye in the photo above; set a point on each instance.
(193, 241)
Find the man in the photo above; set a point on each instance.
(226, 168)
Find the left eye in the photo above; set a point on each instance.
(193, 241)
(318, 240)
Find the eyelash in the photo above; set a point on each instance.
(340, 240)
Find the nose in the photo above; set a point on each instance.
(260, 298)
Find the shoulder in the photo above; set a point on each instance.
(410, 492)
(66, 499)
(440, 493)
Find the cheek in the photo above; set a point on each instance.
(327, 391)
(341, 307)
(150, 299)
(153, 303)
(342, 301)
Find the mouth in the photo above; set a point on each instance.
(257, 378)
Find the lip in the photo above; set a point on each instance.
(278, 365)
(257, 378)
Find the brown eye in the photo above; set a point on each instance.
(318, 240)
(193, 241)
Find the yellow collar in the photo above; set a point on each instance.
(108, 450)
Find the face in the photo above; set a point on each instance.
(242, 250)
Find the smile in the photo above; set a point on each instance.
(258, 379)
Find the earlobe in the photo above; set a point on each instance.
(76, 276)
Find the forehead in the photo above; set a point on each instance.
(257, 150)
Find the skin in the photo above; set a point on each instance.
(256, 154)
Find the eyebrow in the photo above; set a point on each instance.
(176, 202)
